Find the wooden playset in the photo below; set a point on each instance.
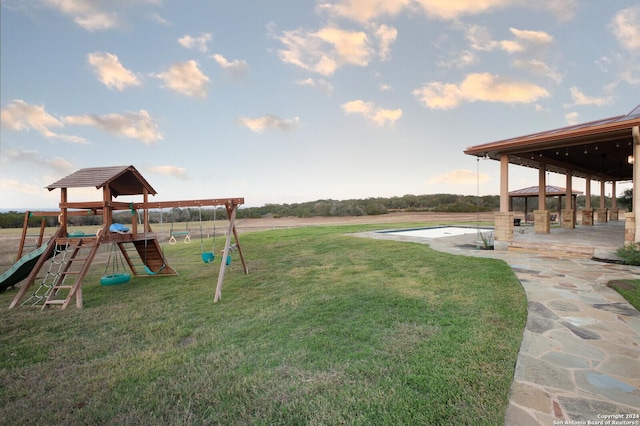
(69, 255)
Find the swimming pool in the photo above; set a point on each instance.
(438, 231)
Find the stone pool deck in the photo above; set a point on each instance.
(579, 360)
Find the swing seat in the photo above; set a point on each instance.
(115, 279)
(150, 272)
(208, 257)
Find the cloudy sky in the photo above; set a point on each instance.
(285, 101)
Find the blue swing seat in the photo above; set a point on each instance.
(207, 257)
(150, 272)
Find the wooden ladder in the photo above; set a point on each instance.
(83, 250)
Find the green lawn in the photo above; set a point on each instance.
(326, 329)
(629, 289)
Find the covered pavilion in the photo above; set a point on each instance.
(601, 150)
(534, 192)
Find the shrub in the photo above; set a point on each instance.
(630, 254)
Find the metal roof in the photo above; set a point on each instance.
(532, 191)
(597, 148)
(121, 180)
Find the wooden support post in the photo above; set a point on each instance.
(542, 187)
(23, 238)
(504, 183)
(231, 212)
(635, 132)
(63, 211)
(568, 215)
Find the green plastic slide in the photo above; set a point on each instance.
(21, 269)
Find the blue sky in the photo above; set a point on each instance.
(285, 101)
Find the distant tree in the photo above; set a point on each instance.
(626, 200)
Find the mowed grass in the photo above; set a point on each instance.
(327, 328)
(629, 289)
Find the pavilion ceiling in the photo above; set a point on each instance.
(598, 149)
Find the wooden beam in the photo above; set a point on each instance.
(211, 202)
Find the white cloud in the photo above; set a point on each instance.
(459, 177)
(260, 124)
(386, 36)
(85, 13)
(156, 17)
(448, 9)
(32, 158)
(478, 87)
(370, 10)
(535, 37)
(185, 78)
(378, 116)
(626, 27)
(564, 10)
(580, 98)
(21, 116)
(237, 67)
(96, 15)
(459, 60)
(525, 40)
(572, 118)
(322, 84)
(110, 71)
(325, 50)
(12, 186)
(134, 125)
(197, 43)
(538, 67)
(364, 10)
(174, 171)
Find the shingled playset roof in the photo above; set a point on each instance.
(121, 180)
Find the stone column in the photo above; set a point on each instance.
(629, 227)
(542, 225)
(602, 210)
(504, 231)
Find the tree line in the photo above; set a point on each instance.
(353, 207)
